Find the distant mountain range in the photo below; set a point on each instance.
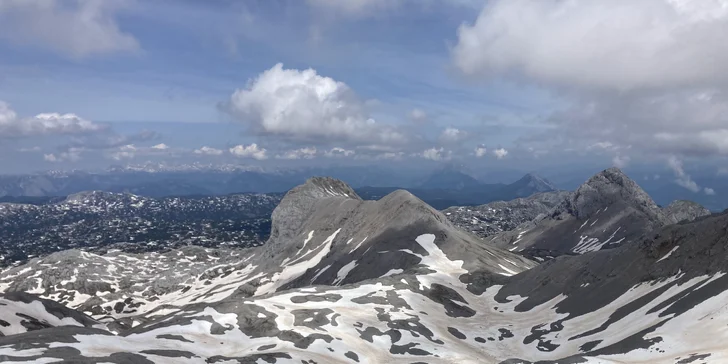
(443, 188)
(466, 191)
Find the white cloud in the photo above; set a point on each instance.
(70, 155)
(209, 151)
(709, 191)
(302, 153)
(250, 151)
(436, 154)
(128, 151)
(161, 146)
(339, 152)
(617, 44)
(43, 124)
(418, 115)
(620, 161)
(682, 179)
(603, 146)
(452, 135)
(500, 153)
(480, 151)
(651, 74)
(74, 28)
(304, 106)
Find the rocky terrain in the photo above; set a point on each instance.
(495, 217)
(608, 210)
(98, 221)
(342, 280)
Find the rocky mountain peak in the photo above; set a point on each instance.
(682, 210)
(298, 204)
(608, 187)
(537, 183)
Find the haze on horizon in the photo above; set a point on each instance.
(559, 87)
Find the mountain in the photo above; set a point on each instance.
(450, 178)
(607, 210)
(343, 280)
(499, 216)
(528, 185)
(682, 210)
(97, 221)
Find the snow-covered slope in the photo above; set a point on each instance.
(322, 234)
(661, 300)
(349, 281)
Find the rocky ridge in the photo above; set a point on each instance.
(320, 295)
(607, 210)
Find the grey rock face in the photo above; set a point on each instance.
(682, 210)
(607, 210)
(495, 217)
(609, 187)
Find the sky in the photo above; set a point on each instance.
(494, 85)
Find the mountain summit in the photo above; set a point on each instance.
(607, 210)
(527, 186)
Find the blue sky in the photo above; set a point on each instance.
(498, 85)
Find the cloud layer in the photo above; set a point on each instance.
(618, 44)
(43, 124)
(74, 28)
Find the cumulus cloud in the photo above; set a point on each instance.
(650, 74)
(161, 146)
(74, 28)
(249, 151)
(69, 155)
(480, 151)
(339, 152)
(437, 154)
(709, 191)
(500, 153)
(619, 44)
(452, 135)
(620, 161)
(303, 106)
(43, 124)
(209, 151)
(302, 153)
(124, 152)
